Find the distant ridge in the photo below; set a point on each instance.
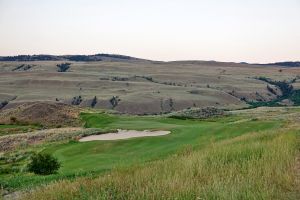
(117, 57)
(76, 58)
(284, 64)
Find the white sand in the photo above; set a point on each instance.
(123, 134)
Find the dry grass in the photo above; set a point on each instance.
(253, 166)
(186, 83)
(25, 140)
(48, 114)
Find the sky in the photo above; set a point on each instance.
(255, 31)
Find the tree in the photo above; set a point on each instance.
(76, 100)
(114, 101)
(43, 164)
(63, 67)
(94, 102)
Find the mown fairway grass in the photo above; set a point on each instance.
(103, 155)
(248, 160)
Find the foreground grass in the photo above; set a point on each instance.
(258, 165)
(93, 158)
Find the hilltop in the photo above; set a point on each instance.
(76, 58)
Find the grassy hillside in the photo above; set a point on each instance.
(249, 154)
(139, 86)
(243, 161)
(99, 156)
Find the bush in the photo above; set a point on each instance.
(3, 104)
(43, 164)
(63, 67)
(94, 102)
(76, 100)
(13, 120)
(114, 101)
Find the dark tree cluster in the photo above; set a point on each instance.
(77, 58)
(148, 78)
(30, 58)
(82, 58)
(285, 64)
(119, 78)
(115, 56)
(63, 67)
(287, 91)
(22, 67)
(76, 100)
(114, 101)
(284, 86)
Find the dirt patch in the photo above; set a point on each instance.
(47, 114)
(123, 134)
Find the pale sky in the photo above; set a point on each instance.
(224, 30)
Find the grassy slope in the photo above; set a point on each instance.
(256, 165)
(139, 95)
(80, 159)
(103, 155)
(12, 129)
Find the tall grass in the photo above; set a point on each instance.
(252, 166)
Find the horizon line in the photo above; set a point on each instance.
(184, 60)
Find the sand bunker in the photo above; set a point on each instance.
(123, 134)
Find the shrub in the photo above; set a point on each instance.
(114, 101)
(295, 97)
(43, 164)
(3, 104)
(76, 100)
(63, 67)
(13, 120)
(94, 102)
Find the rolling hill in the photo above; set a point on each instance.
(137, 86)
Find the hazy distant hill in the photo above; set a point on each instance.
(284, 64)
(116, 57)
(76, 58)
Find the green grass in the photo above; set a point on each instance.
(92, 158)
(256, 165)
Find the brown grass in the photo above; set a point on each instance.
(173, 80)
